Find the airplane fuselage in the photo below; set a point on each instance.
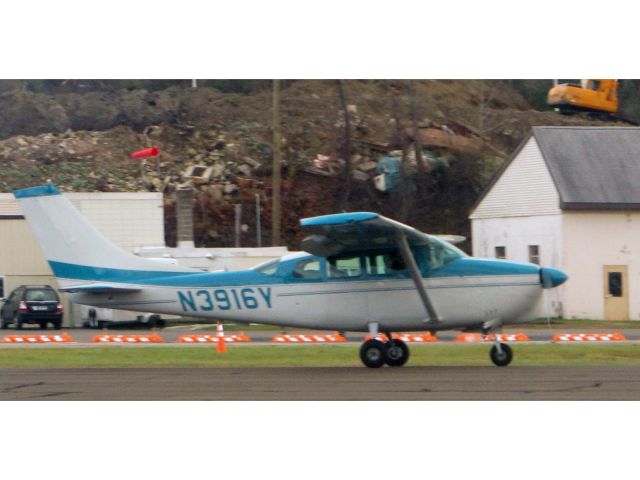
(466, 293)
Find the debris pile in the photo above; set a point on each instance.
(101, 161)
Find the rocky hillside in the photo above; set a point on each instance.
(220, 143)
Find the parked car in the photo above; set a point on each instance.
(32, 304)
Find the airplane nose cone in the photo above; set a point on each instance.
(551, 277)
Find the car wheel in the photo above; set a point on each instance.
(17, 322)
(43, 325)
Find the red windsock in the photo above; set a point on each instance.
(147, 152)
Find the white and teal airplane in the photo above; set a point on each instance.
(362, 273)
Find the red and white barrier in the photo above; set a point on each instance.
(334, 338)
(153, 338)
(407, 337)
(502, 337)
(589, 337)
(61, 338)
(207, 338)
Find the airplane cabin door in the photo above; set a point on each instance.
(616, 292)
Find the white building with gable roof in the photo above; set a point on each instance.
(569, 198)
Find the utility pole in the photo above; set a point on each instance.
(258, 222)
(417, 141)
(277, 165)
(238, 210)
(346, 152)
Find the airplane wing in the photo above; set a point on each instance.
(349, 232)
(98, 288)
(353, 232)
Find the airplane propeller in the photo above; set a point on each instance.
(550, 277)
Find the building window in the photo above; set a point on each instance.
(534, 254)
(501, 252)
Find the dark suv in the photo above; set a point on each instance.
(32, 304)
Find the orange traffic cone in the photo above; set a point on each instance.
(222, 343)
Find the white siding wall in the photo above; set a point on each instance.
(592, 240)
(129, 220)
(516, 234)
(525, 188)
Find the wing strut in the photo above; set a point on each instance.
(410, 262)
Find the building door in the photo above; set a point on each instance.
(616, 292)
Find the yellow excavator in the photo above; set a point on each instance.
(599, 97)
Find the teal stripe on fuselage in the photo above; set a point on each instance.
(471, 267)
(462, 267)
(159, 278)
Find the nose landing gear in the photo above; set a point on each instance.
(501, 354)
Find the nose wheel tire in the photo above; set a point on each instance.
(397, 353)
(373, 353)
(501, 358)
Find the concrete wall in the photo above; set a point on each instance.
(592, 240)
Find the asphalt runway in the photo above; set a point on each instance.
(324, 383)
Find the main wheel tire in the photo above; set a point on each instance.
(373, 353)
(397, 353)
(501, 359)
(17, 323)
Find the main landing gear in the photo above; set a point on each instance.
(375, 353)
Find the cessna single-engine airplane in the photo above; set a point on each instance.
(363, 272)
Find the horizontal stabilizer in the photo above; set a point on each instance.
(97, 288)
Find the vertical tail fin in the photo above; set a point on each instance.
(71, 244)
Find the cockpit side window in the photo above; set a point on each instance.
(344, 267)
(308, 268)
(389, 263)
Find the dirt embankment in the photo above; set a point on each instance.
(220, 143)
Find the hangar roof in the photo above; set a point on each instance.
(593, 167)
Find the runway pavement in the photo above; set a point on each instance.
(324, 383)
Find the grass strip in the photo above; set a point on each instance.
(304, 356)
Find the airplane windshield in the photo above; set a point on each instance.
(268, 268)
(439, 253)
